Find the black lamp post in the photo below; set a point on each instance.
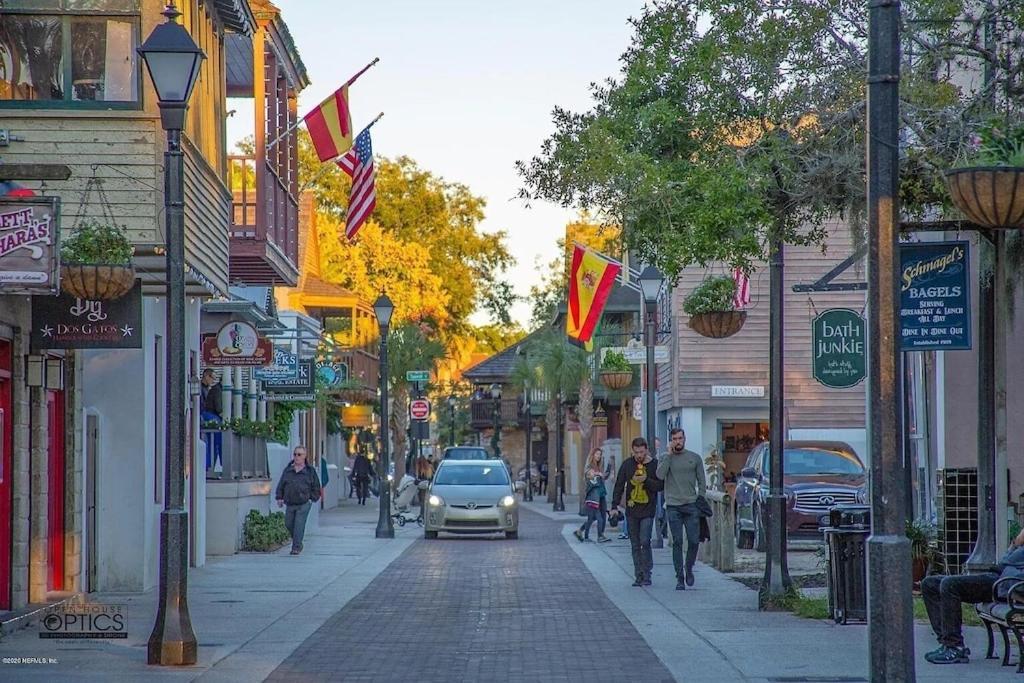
(173, 59)
(452, 402)
(496, 439)
(559, 505)
(528, 495)
(383, 308)
(651, 282)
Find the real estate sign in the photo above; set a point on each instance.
(839, 351)
(935, 296)
(285, 366)
(302, 383)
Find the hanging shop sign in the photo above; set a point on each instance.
(236, 344)
(67, 322)
(28, 245)
(357, 416)
(285, 366)
(838, 349)
(332, 373)
(935, 296)
(302, 383)
(637, 355)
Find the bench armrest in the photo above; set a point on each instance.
(1018, 583)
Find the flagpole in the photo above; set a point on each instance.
(324, 168)
(298, 123)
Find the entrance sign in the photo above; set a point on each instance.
(419, 409)
(285, 366)
(302, 383)
(28, 245)
(935, 296)
(237, 344)
(838, 349)
(67, 322)
(723, 391)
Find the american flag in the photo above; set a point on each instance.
(742, 296)
(358, 164)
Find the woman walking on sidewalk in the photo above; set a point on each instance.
(596, 502)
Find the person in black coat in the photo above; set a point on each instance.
(362, 472)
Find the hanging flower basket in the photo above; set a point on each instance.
(616, 380)
(96, 281)
(992, 196)
(718, 324)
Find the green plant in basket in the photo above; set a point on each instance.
(714, 294)
(996, 143)
(614, 361)
(95, 243)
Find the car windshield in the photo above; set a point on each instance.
(466, 454)
(471, 475)
(804, 461)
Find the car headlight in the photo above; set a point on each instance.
(435, 501)
(508, 501)
(391, 477)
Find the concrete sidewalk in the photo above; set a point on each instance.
(714, 632)
(249, 611)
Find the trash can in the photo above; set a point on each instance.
(846, 536)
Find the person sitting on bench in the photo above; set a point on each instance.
(943, 596)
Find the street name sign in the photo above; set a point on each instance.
(838, 349)
(417, 376)
(935, 296)
(419, 409)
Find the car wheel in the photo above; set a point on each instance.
(401, 521)
(512, 534)
(760, 538)
(429, 534)
(744, 539)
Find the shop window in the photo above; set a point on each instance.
(77, 57)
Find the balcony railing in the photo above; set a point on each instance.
(264, 224)
(363, 367)
(482, 412)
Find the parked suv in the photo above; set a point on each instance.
(466, 453)
(818, 475)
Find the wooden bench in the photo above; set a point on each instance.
(1008, 615)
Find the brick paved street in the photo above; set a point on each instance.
(479, 609)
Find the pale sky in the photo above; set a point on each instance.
(466, 87)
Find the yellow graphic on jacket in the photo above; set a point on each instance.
(638, 494)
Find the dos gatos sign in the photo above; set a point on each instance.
(28, 245)
(935, 296)
(839, 350)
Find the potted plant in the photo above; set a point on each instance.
(922, 547)
(616, 372)
(989, 185)
(96, 262)
(711, 310)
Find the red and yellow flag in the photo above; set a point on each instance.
(591, 277)
(330, 125)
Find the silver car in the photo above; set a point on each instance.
(472, 497)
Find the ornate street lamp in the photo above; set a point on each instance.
(496, 439)
(383, 308)
(173, 59)
(528, 408)
(452, 402)
(651, 282)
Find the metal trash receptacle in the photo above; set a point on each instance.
(846, 536)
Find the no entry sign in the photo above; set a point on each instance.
(419, 409)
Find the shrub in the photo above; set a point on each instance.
(711, 295)
(94, 243)
(263, 532)
(615, 362)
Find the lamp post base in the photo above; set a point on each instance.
(559, 499)
(776, 584)
(890, 612)
(173, 642)
(385, 533)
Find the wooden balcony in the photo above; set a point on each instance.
(264, 245)
(482, 412)
(363, 367)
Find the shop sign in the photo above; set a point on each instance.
(285, 366)
(331, 373)
(935, 296)
(237, 344)
(839, 352)
(723, 391)
(29, 234)
(271, 398)
(637, 355)
(302, 383)
(67, 322)
(357, 416)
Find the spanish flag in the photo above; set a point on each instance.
(330, 125)
(591, 277)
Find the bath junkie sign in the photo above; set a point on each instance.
(839, 351)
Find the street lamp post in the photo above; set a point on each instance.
(383, 308)
(496, 439)
(451, 414)
(528, 495)
(651, 281)
(890, 610)
(559, 505)
(173, 59)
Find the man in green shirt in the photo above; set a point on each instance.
(685, 481)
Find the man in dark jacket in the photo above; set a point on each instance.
(640, 474)
(298, 489)
(210, 411)
(943, 595)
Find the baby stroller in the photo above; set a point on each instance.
(402, 501)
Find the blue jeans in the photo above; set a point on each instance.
(640, 544)
(295, 521)
(684, 517)
(599, 514)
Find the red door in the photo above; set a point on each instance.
(6, 463)
(55, 493)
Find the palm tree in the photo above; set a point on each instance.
(563, 369)
(408, 349)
